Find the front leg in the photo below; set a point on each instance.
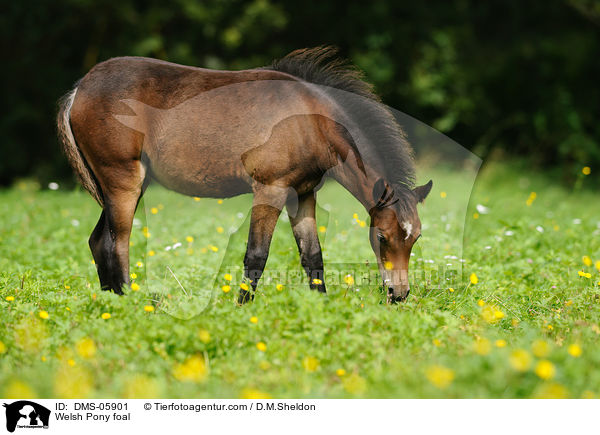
(304, 226)
(266, 207)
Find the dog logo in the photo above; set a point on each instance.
(26, 414)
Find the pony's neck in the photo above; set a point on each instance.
(356, 182)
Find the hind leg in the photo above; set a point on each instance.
(109, 242)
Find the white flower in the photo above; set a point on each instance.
(482, 209)
(75, 222)
(576, 221)
(540, 228)
(508, 233)
(53, 186)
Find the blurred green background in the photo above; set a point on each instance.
(503, 78)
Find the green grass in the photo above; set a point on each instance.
(198, 343)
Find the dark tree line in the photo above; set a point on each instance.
(521, 77)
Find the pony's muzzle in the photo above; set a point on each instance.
(398, 293)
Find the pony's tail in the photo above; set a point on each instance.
(71, 150)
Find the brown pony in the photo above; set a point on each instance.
(277, 132)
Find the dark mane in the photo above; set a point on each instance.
(322, 66)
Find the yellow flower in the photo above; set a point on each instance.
(388, 265)
(279, 287)
(72, 382)
(204, 336)
(196, 198)
(220, 230)
(244, 286)
(362, 224)
(587, 260)
(71, 362)
(340, 372)
(500, 343)
(540, 348)
(436, 342)
(261, 346)
(481, 302)
(491, 314)
(520, 360)
(151, 253)
(135, 287)
(254, 320)
(551, 391)
(86, 348)
(545, 369)
(153, 210)
(598, 265)
(141, 387)
(254, 394)
(574, 350)
(31, 334)
(354, 384)
(322, 229)
(355, 216)
(440, 376)
(349, 279)
(451, 290)
(189, 239)
(214, 248)
(139, 264)
(148, 308)
(317, 281)
(443, 194)
(43, 314)
(482, 346)
(473, 278)
(67, 286)
(475, 215)
(133, 275)
(105, 316)
(310, 364)
(532, 197)
(569, 303)
(19, 390)
(192, 370)
(220, 201)
(2, 348)
(584, 274)
(586, 170)
(226, 288)
(227, 277)
(10, 298)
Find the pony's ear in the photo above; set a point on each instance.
(382, 193)
(421, 192)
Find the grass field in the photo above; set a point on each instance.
(522, 322)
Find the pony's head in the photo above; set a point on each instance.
(395, 227)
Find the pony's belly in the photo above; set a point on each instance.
(204, 184)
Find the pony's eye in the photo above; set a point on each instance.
(381, 238)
